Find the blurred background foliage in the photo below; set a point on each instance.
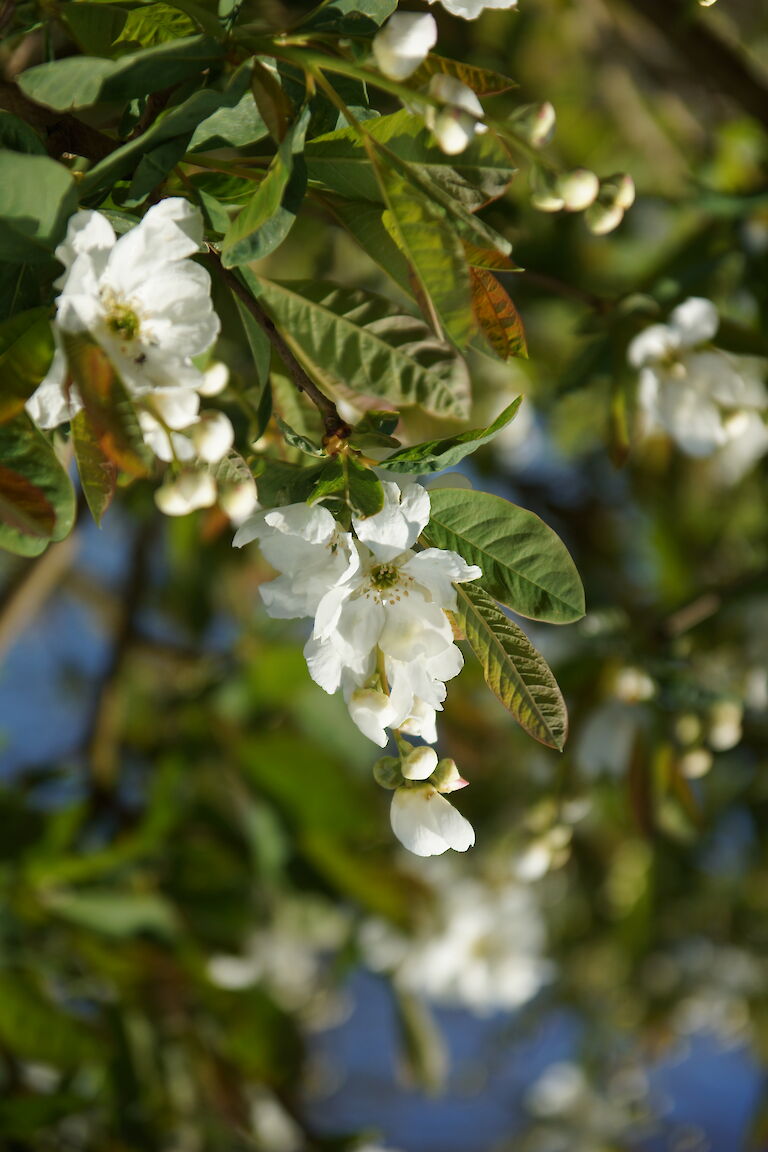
(208, 939)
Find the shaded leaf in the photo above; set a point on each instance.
(18, 136)
(26, 351)
(345, 479)
(514, 671)
(37, 197)
(37, 501)
(98, 474)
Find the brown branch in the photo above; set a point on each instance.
(335, 427)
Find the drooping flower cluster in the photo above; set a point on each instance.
(381, 633)
(148, 306)
(706, 399)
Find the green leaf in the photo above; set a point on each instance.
(17, 136)
(482, 81)
(232, 125)
(271, 212)
(344, 479)
(108, 408)
(362, 219)
(95, 27)
(434, 455)
(156, 24)
(98, 474)
(26, 351)
(114, 912)
(351, 339)
(272, 101)
(37, 501)
(433, 249)
(349, 17)
(339, 161)
(524, 563)
(80, 81)
(37, 197)
(153, 168)
(177, 127)
(514, 671)
(296, 440)
(497, 316)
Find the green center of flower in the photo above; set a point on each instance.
(384, 576)
(123, 321)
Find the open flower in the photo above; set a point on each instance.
(471, 9)
(696, 392)
(426, 823)
(404, 43)
(139, 297)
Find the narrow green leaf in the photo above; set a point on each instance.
(524, 563)
(296, 440)
(514, 671)
(355, 340)
(434, 455)
(37, 501)
(26, 350)
(344, 479)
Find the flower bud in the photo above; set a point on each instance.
(419, 764)
(725, 718)
(578, 189)
(215, 380)
(212, 436)
(535, 123)
(386, 772)
(403, 43)
(696, 763)
(545, 194)
(454, 125)
(189, 491)
(446, 777)
(602, 219)
(238, 500)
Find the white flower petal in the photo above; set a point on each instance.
(52, 403)
(652, 345)
(212, 436)
(471, 9)
(427, 824)
(404, 43)
(437, 570)
(397, 527)
(695, 321)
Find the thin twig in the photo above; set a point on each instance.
(335, 427)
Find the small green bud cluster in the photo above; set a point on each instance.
(603, 202)
(417, 765)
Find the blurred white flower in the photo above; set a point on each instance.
(186, 492)
(460, 118)
(471, 9)
(697, 393)
(404, 43)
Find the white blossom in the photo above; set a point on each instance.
(403, 44)
(459, 119)
(139, 297)
(186, 493)
(691, 389)
(426, 823)
(471, 9)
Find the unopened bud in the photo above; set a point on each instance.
(212, 436)
(419, 764)
(404, 43)
(601, 219)
(545, 194)
(578, 189)
(238, 500)
(386, 772)
(188, 492)
(215, 380)
(447, 778)
(535, 123)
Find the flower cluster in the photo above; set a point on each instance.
(148, 306)
(706, 399)
(381, 634)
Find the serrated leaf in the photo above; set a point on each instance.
(340, 163)
(37, 501)
(107, 405)
(98, 474)
(524, 563)
(26, 351)
(37, 197)
(433, 250)
(434, 455)
(514, 671)
(351, 339)
(497, 316)
(156, 24)
(482, 81)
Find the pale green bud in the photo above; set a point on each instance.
(535, 123)
(419, 764)
(386, 772)
(447, 778)
(545, 194)
(601, 219)
(578, 189)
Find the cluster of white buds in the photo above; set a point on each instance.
(422, 819)
(603, 202)
(381, 633)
